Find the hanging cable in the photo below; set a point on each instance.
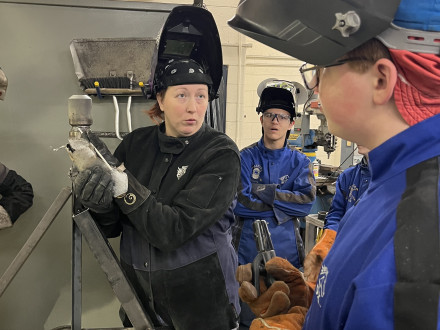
(129, 106)
(115, 102)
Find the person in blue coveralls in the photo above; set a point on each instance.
(378, 78)
(350, 186)
(277, 182)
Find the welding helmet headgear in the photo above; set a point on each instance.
(182, 72)
(189, 32)
(280, 94)
(321, 31)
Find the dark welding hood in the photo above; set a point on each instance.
(189, 32)
(314, 31)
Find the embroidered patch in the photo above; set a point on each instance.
(256, 171)
(320, 285)
(284, 179)
(130, 199)
(352, 189)
(181, 171)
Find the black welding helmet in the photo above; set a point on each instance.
(280, 94)
(189, 32)
(314, 31)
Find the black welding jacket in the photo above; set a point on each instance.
(16, 194)
(180, 210)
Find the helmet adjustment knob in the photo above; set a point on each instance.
(347, 23)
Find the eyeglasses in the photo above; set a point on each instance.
(310, 72)
(280, 117)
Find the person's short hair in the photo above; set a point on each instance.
(371, 50)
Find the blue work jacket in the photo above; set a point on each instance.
(277, 186)
(386, 253)
(350, 185)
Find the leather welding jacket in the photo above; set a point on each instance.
(277, 186)
(350, 186)
(175, 214)
(16, 193)
(383, 270)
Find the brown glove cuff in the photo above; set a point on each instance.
(293, 320)
(325, 243)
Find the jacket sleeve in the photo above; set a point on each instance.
(339, 203)
(203, 201)
(298, 200)
(256, 198)
(16, 195)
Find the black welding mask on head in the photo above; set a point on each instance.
(314, 31)
(189, 32)
(281, 94)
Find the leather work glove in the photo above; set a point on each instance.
(288, 294)
(94, 189)
(129, 193)
(292, 320)
(86, 153)
(314, 259)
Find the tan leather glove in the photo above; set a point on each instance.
(287, 291)
(293, 320)
(314, 259)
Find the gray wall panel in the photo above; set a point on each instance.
(35, 55)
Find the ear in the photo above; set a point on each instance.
(261, 119)
(385, 78)
(291, 124)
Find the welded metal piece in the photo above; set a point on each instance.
(109, 263)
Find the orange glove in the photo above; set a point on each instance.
(313, 260)
(287, 291)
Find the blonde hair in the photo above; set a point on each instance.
(155, 113)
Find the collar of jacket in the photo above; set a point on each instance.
(270, 153)
(173, 145)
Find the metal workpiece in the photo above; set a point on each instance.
(110, 265)
(313, 224)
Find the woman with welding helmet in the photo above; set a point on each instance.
(176, 214)
(181, 176)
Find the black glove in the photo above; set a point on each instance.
(94, 189)
(102, 148)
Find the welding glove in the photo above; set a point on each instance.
(289, 289)
(265, 192)
(84, 155)
(292, 320)
(129, 193)
(314, 259)
(93, 187)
